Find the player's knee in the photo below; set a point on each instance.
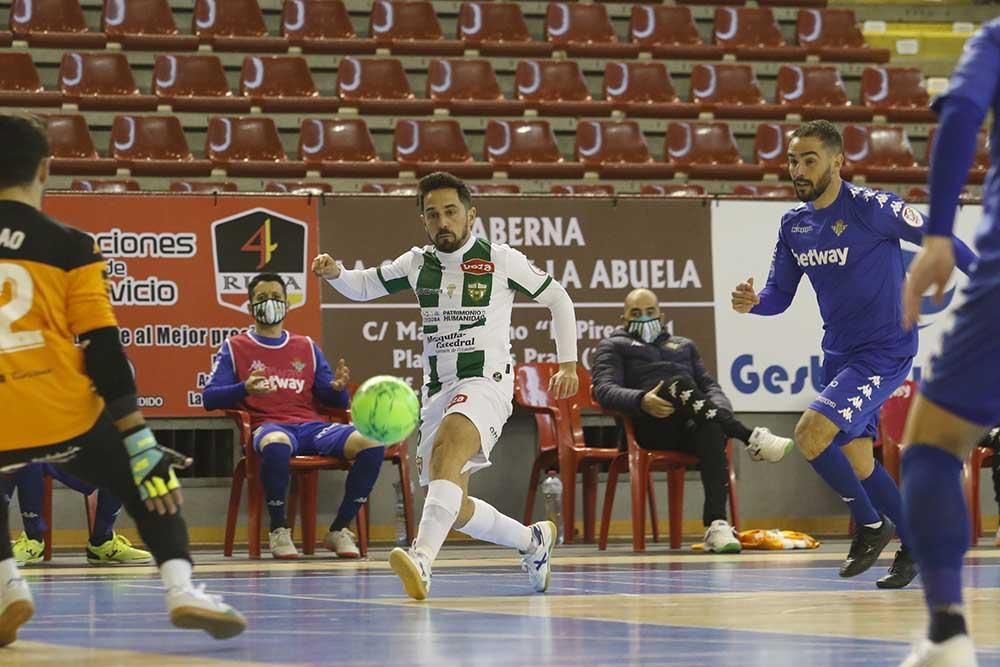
(863, 468)
(810, 436)
(275, 438)
(465, 512)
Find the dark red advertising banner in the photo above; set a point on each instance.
(178, 266)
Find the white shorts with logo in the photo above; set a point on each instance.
(486, 402)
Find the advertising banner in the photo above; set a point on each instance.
(772, 364)
(599, 249)
(178, 267)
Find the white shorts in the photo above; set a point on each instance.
(486, 402)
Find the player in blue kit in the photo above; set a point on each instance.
(846, 240)
(960, 395)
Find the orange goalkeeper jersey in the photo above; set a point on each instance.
(52, 289)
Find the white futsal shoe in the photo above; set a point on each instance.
(537, 562)
(282, 547)
(342, 543)
(192, 608)
(413, 570)
(959, 651)
(721, 538)
(766, 446)
(16, 607)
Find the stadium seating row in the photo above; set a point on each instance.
(103, 80)
(412, 27)
(343, 148)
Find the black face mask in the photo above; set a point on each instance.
(645, 328)
(270, 311)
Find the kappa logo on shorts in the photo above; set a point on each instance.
(457, 400)
(478, 267)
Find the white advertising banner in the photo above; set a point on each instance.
(772, 364)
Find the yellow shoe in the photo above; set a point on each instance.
(27, 550)
(117, 550)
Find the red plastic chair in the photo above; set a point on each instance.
(89, 507)
(981, 161)
(764, 190)
(882, 153)
(101, 81)
(234, 25)
(706, 150)
(397, 189)
(298, 187)
(770, 147)
(669, 32)
(322, 26)
(556, 88)
(729, 90)
(72, 147)
(195, 83)
(203, 186)
(816, 92)
(105, 185)
(616, 149)
(279, 84)
(892, 422)
(833, 34)
(588, 189)
(673, 190)
(584, 30)
(249, 146)
(527, 149)
(898, 93)
(20, 85)
(144, 25)
(427, 146)
(981, 457)
(154, 146)
(342, 148)
(53, 23)
(498, 29)
(379, 86)
(752, 33)
(468, 86)
(644, 89)
(410, 27)
(494, 188)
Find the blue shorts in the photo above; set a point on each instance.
(309, 438)
(856, 387)
(963, 375)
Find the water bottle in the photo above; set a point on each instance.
(400, 515)
(552, 489)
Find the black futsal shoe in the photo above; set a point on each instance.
(866, 547)
(901, 572)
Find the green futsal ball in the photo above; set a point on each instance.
(385, 409)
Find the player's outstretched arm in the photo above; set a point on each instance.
(782, 283)
(364, 284)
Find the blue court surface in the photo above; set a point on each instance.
(659, 608)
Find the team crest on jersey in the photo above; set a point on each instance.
(477, 291)
(451, 290)
(911, 217)
(257, 240)
(478, 267)
(839, 227)
(298, 365)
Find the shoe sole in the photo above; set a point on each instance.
(728, 549)
(218, 625)
(98, 561)
(14, 616)
(878, 552)
(408, 574)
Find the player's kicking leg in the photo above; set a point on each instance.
(16, 605)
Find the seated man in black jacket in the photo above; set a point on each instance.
(644, 372)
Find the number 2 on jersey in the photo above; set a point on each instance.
(22, 290)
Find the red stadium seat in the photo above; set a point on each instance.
(53, 23)
(898, 93)
(584, 30)
(669, 32)
(154, 146)
(248, 147)
(341, 148)
(644, 89)
(556, 88)
(673, 190)
(730, 91)
(20, 85)
(527, 149)
(426, 146)
(494, 188)
(816, 92)
(770, 147)
(144, 25)
(105, 186)
(322, 26)
(280, 84)
(752, 33)
(465, 86)
(981, 162)
(101, 81)
(398, 189)
(6, 38)
(73, 149)
(616, 149)
(203, 186)
(298, 187)
(378, 85)
(920, 193)
(592, 189)
(498, 29)
(764, 191)
(410, 27)
(833, 34)
(194, 83)
(882, 153)
(233, 25)
(706, 150)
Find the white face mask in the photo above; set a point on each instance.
(270, 311)
(645, 328)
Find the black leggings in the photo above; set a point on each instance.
(98, 457)
(692, 403)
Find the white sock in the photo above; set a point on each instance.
(489, 525)
(8, 570)
(444, 500)
(176, 573)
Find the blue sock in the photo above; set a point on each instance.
(360, 482)
(30, 489)
(937, 520)
(108, 508)
(274, 460)
(885, 496)
(837, 472)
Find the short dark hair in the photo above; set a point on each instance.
(440, 180)
(823, 130)
(25, 144)
(266, 277)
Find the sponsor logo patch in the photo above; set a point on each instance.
(457, 400)
(478, 267)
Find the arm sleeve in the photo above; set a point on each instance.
(376, 282)
(952, 155)
(608, 372)
(528, 279)
(321, 388)
(782, 282)
(707, 383)
(224, 388)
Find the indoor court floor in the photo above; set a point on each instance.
(614, 608)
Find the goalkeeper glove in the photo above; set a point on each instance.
(152, 464)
